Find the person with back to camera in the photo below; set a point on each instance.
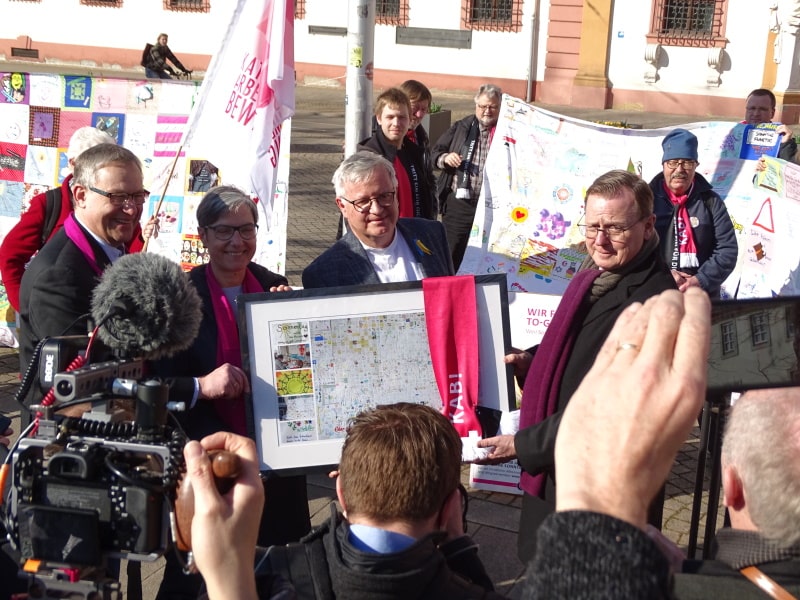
(415, 197)
(227, 222)
(401, 531)
(698, 241)
(461, 154)
(154, 60)
(623, 267)
(45, 217)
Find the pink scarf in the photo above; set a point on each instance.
(78, 237)
(684, 250)
(228, 349)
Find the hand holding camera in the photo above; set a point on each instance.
(224, 519)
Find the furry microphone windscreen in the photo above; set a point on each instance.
(155, 311)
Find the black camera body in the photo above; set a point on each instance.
(85, 490)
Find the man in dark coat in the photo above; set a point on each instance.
(698, 241)
(623, 267)
(761, 484)
(56, 289)
(461, 153)
(378, 247)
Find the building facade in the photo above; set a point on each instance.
(679, 56)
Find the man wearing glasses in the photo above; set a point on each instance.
(56, 289)
(623, 267)
(461, 153)
(379, 247)
(697, 237)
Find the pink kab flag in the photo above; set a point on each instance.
(246, 95)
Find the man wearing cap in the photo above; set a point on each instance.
(696, 233)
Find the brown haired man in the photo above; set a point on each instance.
(402, 535)
(414, 192)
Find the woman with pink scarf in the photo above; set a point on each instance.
(227, 225)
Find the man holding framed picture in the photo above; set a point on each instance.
(378, 247)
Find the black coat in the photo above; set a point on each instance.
(56, 293)
(452, 140)
(535, 445)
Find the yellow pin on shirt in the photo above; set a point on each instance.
(422, 247)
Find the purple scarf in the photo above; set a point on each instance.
(542, 384)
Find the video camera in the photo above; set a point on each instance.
(84, 490)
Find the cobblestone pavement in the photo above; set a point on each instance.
(317, 136)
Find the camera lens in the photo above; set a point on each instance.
(64, 388)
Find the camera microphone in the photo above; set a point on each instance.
(146, 307)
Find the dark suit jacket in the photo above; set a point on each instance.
(346, 262)
(56, 293)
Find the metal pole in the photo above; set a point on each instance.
(358, 85)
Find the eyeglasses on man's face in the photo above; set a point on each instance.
(225, 232)
(488, 107)
(362, 205)
(121, 199)
(683, 162)
(616, 233)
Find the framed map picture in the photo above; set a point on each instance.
(318, 357)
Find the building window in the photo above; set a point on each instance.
(759, 328)
(698, 23)
(188, 5)
(114, 3)
(492, 15)
(391, 12)
(730, 341)
(299, 9)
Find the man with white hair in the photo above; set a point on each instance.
(45, 216)
(761, 486)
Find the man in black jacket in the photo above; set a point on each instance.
(393, 113)
(401, 532)
(461, 153)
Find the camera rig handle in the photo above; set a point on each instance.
(226, 467)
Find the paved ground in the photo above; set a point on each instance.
(318, 132)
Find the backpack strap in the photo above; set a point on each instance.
(52, 211)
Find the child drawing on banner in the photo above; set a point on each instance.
(12, 87)
(168, 216)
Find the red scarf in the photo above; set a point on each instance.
(228, 349)
(684, 250)
(451, 316)
(404, 193)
